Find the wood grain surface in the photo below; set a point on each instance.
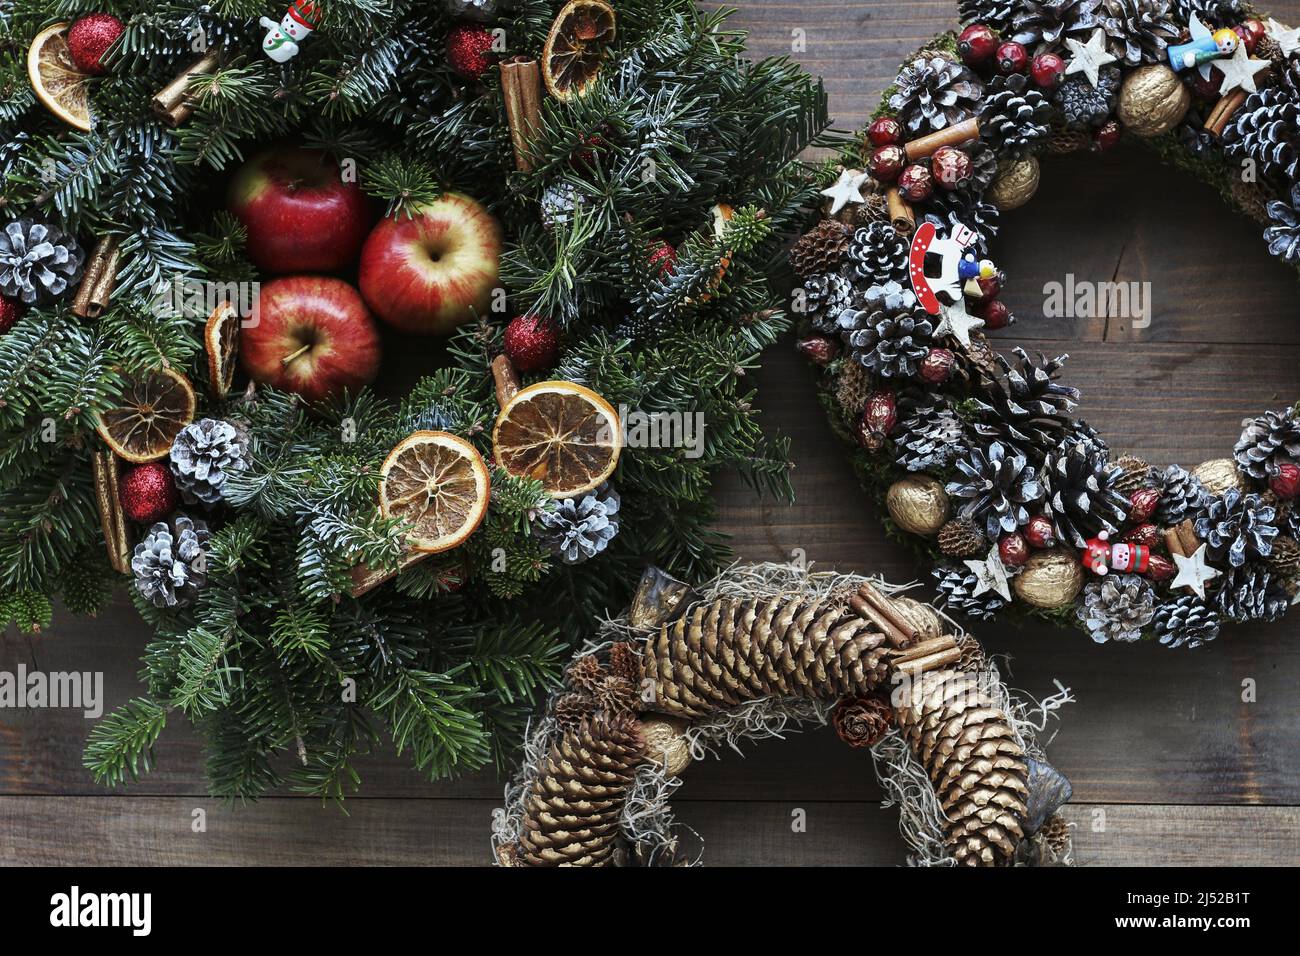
(1169, 764)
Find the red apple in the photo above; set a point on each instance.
(313, 335)
(300, 214)
(435, 270)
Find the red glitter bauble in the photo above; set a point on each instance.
(532, 343)
(663, 256)
(469, 51)
(10, 312)
(89, 39)
(148, 493)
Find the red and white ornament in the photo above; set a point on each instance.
(1100, 556)
(282, 39)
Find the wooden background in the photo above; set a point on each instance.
(1169, 764)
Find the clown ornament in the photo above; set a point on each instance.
(282, 39)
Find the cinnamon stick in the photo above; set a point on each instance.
(1174, 543)
(875, 607)
(954, 135)
(1223, 111)
(173, 102)
(928, 655)
(1187, 536)
(901, 214)
(111, 521)
(521, 88)
(97, 283)
(506, 379)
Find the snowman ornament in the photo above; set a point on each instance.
(282, 39)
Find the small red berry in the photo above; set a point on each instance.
(532, 343)
(996, 315)
(885, 131)
(936, 367)
(1142, 504)
(1107, 136)
(1286, 483)
(916, 183)
(1012, 57)
(1040, 533)
(664, 256)
(989, 287)
(469, 50)
(951, 167)
(89, 39)
(1013, 549)
(818, 349)
(1047, 69)
(887, 162)
(148, 493)
(1248, 36)
(1160, 568)
(977, 44)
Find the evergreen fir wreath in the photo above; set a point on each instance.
(974, 453)
(758, 652)
(322, 562)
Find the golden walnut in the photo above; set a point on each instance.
(1153, 100)
(1015, 185)
(1050, 579)
(665, 743)
(1220, 474)
(917, 504)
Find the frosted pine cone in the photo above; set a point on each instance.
(203, 456)
(1237, 527)
(1117, 607)
(577, 529)
(957, 585)
(38, 261)
(1186, 622)
(170, 564)
(995, 487)
(1267, 441)
(1182, 496)
(933, 93)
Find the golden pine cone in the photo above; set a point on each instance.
(585, 673)
(821, 249)
(852, 386)
(572, 709)
(624, 661)
(1136, 474)
(1285, 557)
(968, 749)
(959, 538)
(972, 657)
(571, 813)
(723, 653)
(1056, 835)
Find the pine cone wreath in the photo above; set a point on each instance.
(877, 253)
(1266, 129)
(38, 262)
(956, 586)
(1023, 406)
(1117, 607)
(996, 486)
(862, 721)
(821, 249)
(825, 297)
(1186, 621)
(203, 456)
(1237, 527)
(170, 564)
(959, 538)
(933, 93)
(1078, 481)
(1017, 119)
(578, 529)
(888, 344)
(931, 438)
(1266, 442)
(978, 769)
(1250, 593)
(725, 652)
(1084, 106)
(1283, 233)
(1182, 496)
(574, 803)
(1044, 24)
(1139, 31)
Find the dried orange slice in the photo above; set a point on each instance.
(221, 340)
(55, 78)
(155, 407)
(561, 434)
(722, 215)
(438, 484)
(576, 47)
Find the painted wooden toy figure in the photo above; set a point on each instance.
(282, 39)
(1100, 556)
(1205, 46)
(943, 270)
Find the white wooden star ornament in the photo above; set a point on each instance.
(1193, 572)
(990, 575)
(1088, 58)
(1239, 71)
(846, 189)
(957, 322)
(1288, 40)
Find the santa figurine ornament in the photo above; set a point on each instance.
(1099, 556)
(282, 39)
